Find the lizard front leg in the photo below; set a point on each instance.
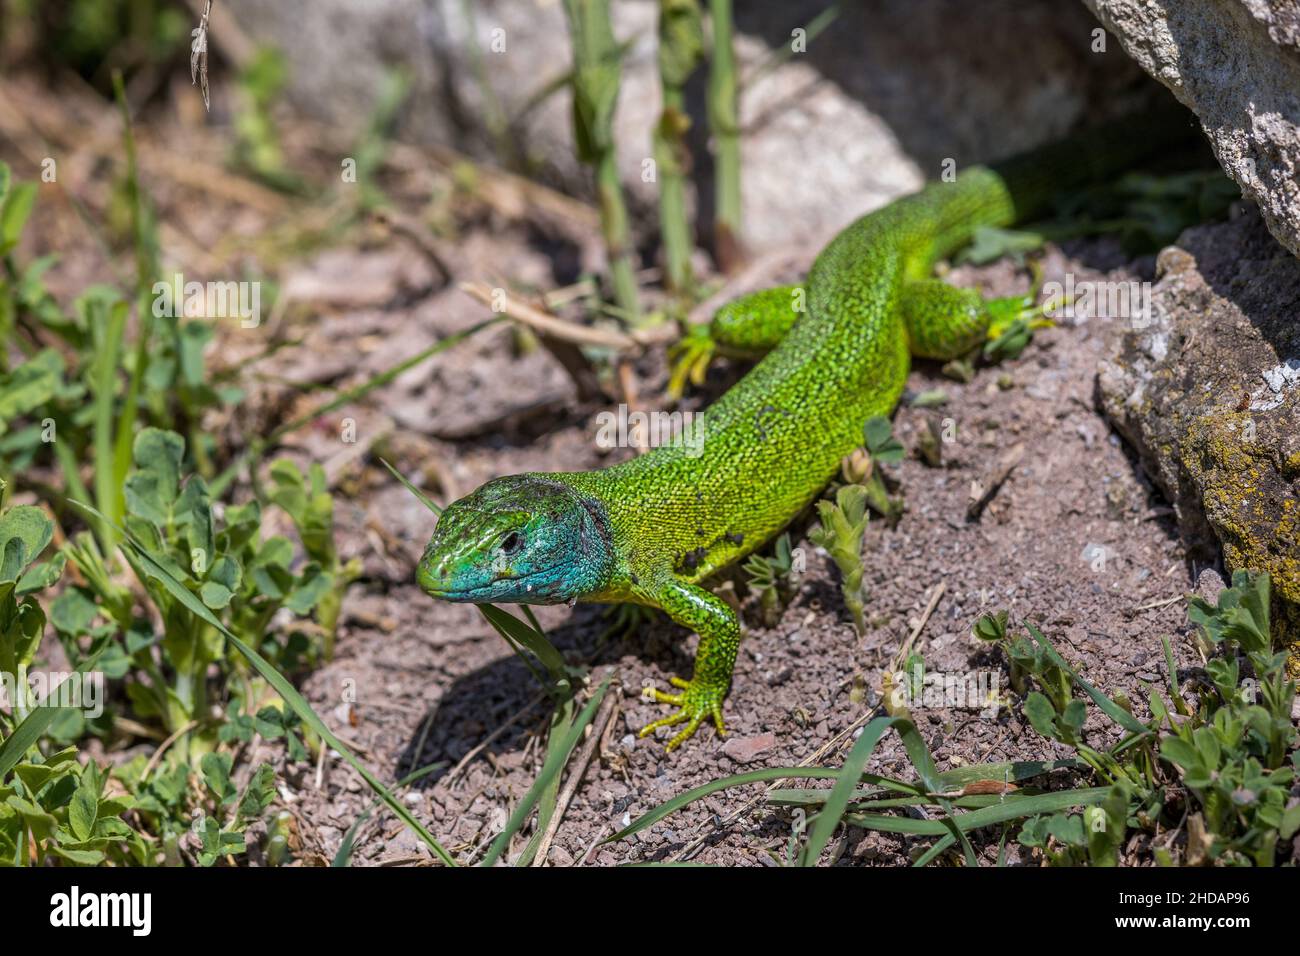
(710, 617)
(748, 327)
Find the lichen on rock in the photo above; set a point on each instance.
(1204, 395)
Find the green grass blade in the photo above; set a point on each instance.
(343, 857)
(34, 725)
(1012, 808)
(935, 851)
(1089, 797)
(870, 800)
(420, 495)
(559, 756)
(976, 802)
(1175, 692)
(651, 817)
(1012, 771)
(107, 487)
(277, 681)
(919, 753)
(75, 487)
(516, 631)
(146, 269)
(837, 800)
(561, 722)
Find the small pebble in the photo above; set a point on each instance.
(746, 749)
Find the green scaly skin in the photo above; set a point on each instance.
(836, 353)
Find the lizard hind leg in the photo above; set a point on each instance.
(747, 327)
(944, 322)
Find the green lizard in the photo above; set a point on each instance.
(652, 529)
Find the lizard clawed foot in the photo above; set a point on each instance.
(691, 355)
(696, 702)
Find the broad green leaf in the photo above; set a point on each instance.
(1041, 714)
(34, 775)
(73, 612)
(151, 490)
(82, 812)
(29, 526)
(258, 794)
(42, 824)
(194, 513)
(312, 586)
(41, 576)
(286, 690)
(214, 595)
(216, 774)
(878, 434)
(30, 385)
(79, 857)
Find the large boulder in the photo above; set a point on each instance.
(1236, 64)
(1207, 389)
(870, 111)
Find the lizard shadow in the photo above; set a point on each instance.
(493, 710)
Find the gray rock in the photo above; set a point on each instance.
(1236, 64)
(1209, 585)
(1200, 391)
(869, 112)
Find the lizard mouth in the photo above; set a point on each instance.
(482, 592)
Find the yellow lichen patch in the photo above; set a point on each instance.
(1252, 511)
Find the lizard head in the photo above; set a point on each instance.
(525, 539)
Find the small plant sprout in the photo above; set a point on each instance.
(861, 468)
(991, 627)
(1240, 616)
(843, 525)
(771, 578)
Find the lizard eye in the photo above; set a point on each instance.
(511, 543)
